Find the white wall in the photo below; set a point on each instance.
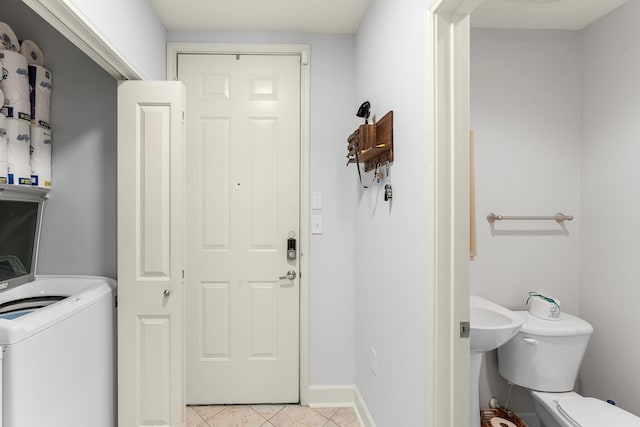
(332, 276)
(391, 256)
(79, 226)
(134, 29)
(525, 111)
(609, 291)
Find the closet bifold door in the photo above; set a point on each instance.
(150, 254)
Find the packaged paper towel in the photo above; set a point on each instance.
(4, 174)
(32, 52)
(40, 157)
(18, 152)
(40, 95)
(8, 39)
(3, 126)
(15, 85)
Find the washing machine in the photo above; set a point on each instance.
(57, 333)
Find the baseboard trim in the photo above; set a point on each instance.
(332, 396)
(364, 416)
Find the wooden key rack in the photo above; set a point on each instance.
(372, 144)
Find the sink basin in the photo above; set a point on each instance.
(491, 325)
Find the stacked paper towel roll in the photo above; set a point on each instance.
(15, 85)
(32, 52)
(8, 39)
(18, 152)
(40, 157)
(25, 119)
(40, 88)
(1, 94)
(4, 174)
(40, 96)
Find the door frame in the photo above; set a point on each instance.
(448, 365)
(173, 50)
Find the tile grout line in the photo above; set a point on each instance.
(263, 417)
(259, 414)
(266, 420)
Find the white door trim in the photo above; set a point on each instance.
(448, 295)
(173, 49)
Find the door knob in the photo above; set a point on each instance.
(290, 275)
(167, 292)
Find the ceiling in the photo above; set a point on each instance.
(309, 16)
(541, 14)
(343, 16)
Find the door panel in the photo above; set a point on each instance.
(150, 254)
(242, 202)
(216, 180)
(216, 324)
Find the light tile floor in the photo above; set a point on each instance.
(269, 416)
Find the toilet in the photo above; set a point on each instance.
(545, 357)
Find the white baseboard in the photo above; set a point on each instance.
(334, 396)
(364, 416)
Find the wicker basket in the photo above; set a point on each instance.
(487, 414)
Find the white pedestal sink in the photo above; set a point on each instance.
(491, 326)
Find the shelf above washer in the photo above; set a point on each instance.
(26, 191)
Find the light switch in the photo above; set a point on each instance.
(316, 224)
(316, 200)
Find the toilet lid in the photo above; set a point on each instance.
(590, 412)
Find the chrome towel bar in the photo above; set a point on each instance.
(559, 217)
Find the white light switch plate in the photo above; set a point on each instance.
(316, 200)
(316, 224)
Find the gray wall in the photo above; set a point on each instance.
(79, 226)
(609, 269)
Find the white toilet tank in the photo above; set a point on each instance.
(545, 355)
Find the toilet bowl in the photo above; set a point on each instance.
(545, 357)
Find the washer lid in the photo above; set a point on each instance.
(20, 218)
(568, 325)
(590, 412)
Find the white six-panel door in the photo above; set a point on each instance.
(242, 204)
(150, 254)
